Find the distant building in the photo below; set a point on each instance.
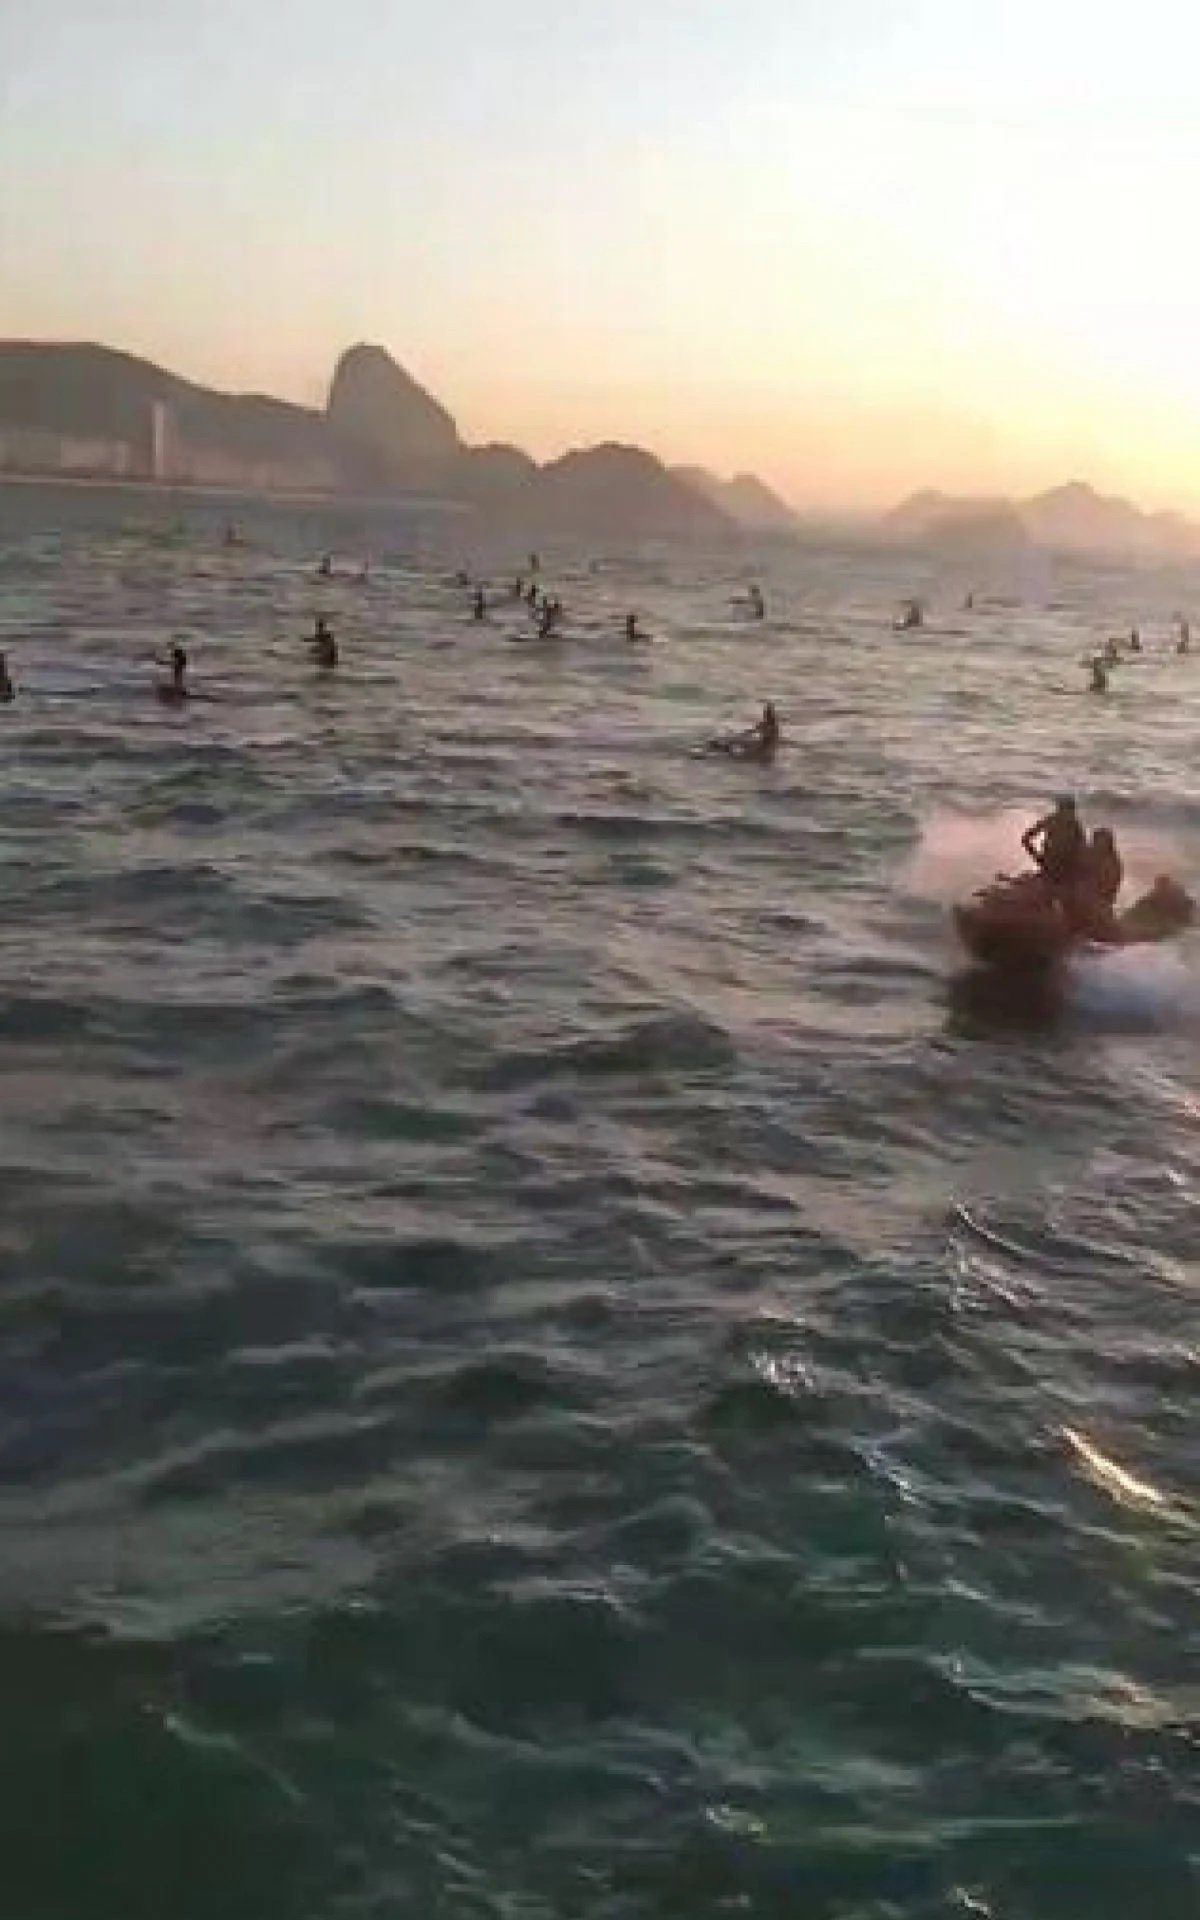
(28, 451)
(161, 440)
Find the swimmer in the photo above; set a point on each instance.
(479, 605)
(8, 692)
(535, 563)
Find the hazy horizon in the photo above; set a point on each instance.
(857, 252)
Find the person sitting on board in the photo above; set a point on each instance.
(763, 740)
(8, 692)
(768, 733)
(1057, 845)
(632, 630)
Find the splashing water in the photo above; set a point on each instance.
(1137, 987)
(958, 852)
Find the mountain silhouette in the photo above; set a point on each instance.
(93, 411)
(1074, 518)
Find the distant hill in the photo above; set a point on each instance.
(1072, 518)
(389, 430)
(496, 475)
(624, 491)
(746, 499)
(90, 410)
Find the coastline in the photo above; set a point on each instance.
(198, 490)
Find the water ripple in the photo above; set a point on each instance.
(551, 1364)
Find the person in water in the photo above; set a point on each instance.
(531, 598)
(1184, 642)
(535, 563)
(325, 570)
(8, 692)
(548, 620)
(1104, 870)
(176, 687)
(479, 605)
(1091, 904)
(324, 646)
(767, 735)
(1057, 845)
(1099, 680)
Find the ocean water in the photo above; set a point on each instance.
(556, 1358)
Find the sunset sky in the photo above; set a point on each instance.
(857, 245)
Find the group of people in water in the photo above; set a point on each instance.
(760, 742)
(548, 609)
(1079, 874)
(1116, 650)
